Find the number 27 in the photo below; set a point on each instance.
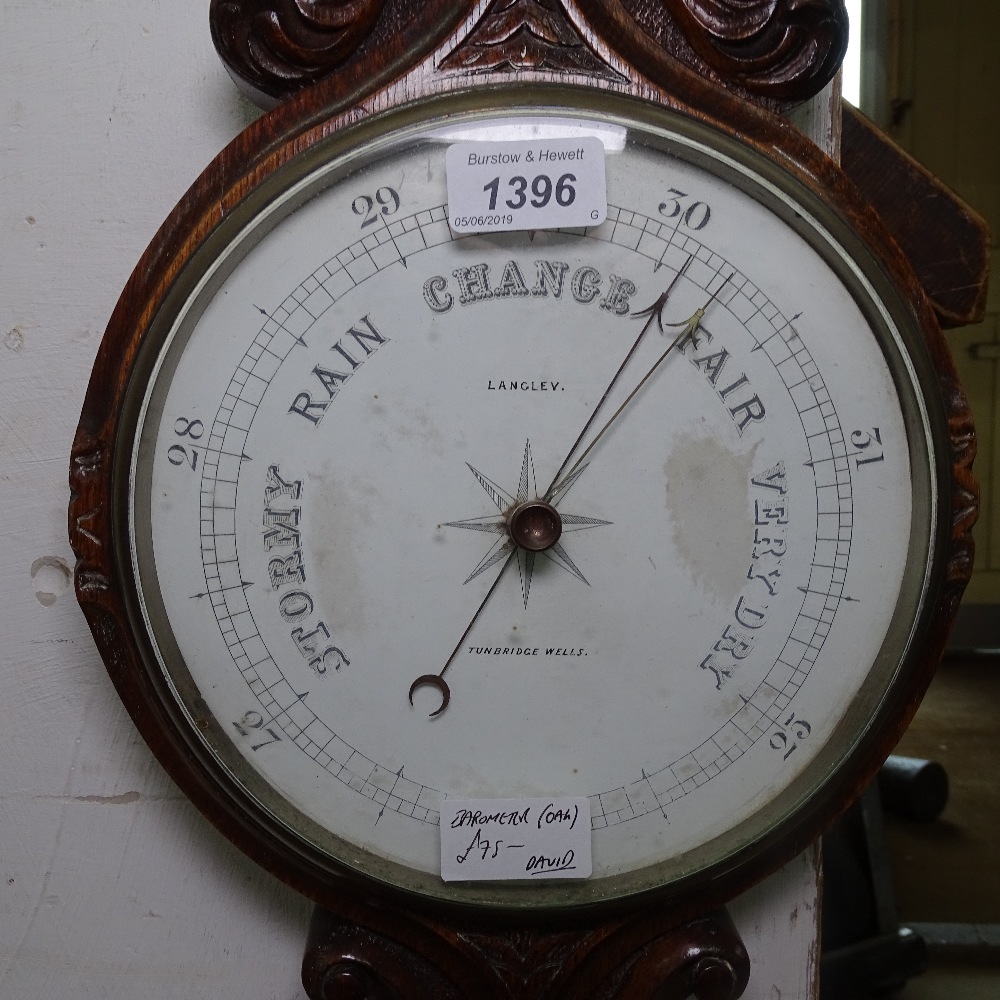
(865, 440)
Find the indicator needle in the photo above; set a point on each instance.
(561, 481)
(437, 680)
(655, 311)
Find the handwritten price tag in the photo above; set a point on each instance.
(531, 184)
(533, 839)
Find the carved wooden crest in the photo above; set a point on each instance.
(775, 52)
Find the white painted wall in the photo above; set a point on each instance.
(111, 885)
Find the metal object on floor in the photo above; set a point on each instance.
(866, 953)
(953, 942)
(913, 788)
(874, 967)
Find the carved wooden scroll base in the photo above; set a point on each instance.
(383, 955)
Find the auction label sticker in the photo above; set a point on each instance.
(526, 839)
(526, 184)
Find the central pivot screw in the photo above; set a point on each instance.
(534, 525)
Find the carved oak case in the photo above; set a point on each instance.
(323, 64)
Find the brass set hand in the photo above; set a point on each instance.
(560, 482)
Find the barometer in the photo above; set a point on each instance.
(519, 443)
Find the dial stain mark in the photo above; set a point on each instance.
(706, 486)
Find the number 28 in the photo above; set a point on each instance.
(178, 454)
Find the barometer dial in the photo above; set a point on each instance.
(645, 512)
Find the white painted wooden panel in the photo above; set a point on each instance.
(111, 885)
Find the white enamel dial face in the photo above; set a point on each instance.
(353, 398)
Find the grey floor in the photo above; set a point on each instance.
(950, 982)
